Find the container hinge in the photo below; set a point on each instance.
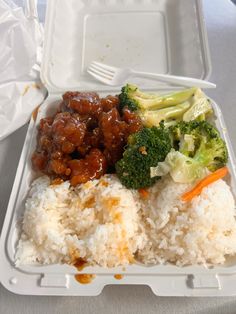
(54, 280)
(204, 281)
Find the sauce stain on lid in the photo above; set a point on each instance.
(84, 278)
(118, 276)
(35, 113)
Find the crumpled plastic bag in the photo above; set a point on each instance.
(20, 53)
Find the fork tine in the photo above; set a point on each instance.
(99, 78)
(98, 72)
(95, 67)
(104, 66)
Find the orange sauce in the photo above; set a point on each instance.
(35, 85)
(142, 150)
(35, 113)
(118, 276)
(104, 183)
(27, 87)
(143, 193)
(111, 202)
(80, 264)
(117, 218)
(56, 181)
(90, 202)
(84, 278)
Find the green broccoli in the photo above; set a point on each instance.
(201, 141)
(200, 107)
(134, 99)
(128, 96)
(170, 114)
(186, 105)
(144, 150)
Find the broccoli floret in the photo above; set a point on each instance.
(134, 99)
(129, 97)
(201, 141)
(144, 150)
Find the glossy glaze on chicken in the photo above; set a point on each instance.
(85, 138)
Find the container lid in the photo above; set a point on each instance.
(167, 37)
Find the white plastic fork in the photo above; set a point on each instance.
(114, 76)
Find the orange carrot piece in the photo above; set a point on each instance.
(143, 193)
(218, 174)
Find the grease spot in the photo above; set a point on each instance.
(26, 89)
(35, 113)
(84, 278)
(118, 276)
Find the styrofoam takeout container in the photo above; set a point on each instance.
(162, 36)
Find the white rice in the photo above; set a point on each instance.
(97, 221)
(185, 233)
(105, 224)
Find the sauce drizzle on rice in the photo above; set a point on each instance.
(106, 232)
(80, 264)
(122, 227)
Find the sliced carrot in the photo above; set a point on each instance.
(218, 174)
(143, 193)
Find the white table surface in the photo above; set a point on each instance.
(221, 24)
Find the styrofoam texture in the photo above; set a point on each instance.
(161, 36)
(59, 279)
(180, 44)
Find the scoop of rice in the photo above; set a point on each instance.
(98, 221)
(196, 232)
(106, 224)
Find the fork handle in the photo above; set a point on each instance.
(31, 11)
(178, 80)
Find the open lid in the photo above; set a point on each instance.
(166, 36)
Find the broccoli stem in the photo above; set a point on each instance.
(199, 108)
(153, 118)
(165, 100)
(138, 93)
